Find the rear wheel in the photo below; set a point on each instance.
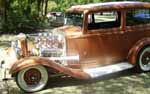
(143, 59)
(32, 79)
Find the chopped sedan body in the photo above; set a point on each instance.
(96, 40)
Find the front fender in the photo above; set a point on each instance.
(133, 53)
(31, 61)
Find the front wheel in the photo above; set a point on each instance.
(32, 79)
(143, 60)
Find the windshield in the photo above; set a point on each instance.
(73, 19)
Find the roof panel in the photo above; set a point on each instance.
(109, 5)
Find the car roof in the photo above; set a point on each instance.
(109, 6)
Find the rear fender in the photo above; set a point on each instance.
(134, 51)
(31, 61)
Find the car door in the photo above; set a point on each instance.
(104, 43)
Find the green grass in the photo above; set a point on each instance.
(128, 84)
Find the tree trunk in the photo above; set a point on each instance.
(46, 5)
(42, 6)
(39, 2)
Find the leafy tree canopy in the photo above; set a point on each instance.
(21, 15)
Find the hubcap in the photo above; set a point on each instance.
(145, 59)
(32, 76)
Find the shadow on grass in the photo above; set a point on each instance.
(125, 82)
(72, 81)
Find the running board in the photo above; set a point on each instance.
(101, 71)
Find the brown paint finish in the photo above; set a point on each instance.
(109, 6)
(134, 51)
(31, 61)
(71, 29)
(123, 22)
(24, 47)
(100, 47)
(97, 47)
(23, 44)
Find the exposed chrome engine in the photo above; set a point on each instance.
(47, 44)
(50, 44)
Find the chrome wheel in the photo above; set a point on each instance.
(144, 59)
(33, 78)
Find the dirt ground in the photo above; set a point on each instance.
(125, 82)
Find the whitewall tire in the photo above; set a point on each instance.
(32, 79)
(144, 59)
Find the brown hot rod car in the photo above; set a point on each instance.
(96, 40)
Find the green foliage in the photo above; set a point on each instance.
(28, 15)
(23, 16)
(63, 4)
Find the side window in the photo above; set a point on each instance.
(103, 20)
(137, 17)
